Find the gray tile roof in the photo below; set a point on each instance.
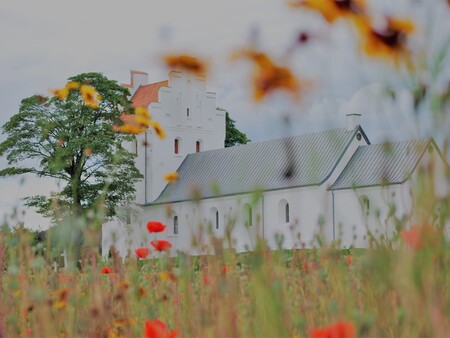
(270, 165)
(380, 164)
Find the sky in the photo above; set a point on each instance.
(45, 42)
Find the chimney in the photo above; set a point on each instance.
(138, 78)
(352, 121)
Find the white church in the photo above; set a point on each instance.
(333, 185)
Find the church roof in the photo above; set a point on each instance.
(271, 165)
(381, 164)
(147, 94)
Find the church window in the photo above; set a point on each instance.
(284, 211)
(176, 146)
(187, 112)
(287, 213)
(175, 225)
(217, 219)
(197, 146)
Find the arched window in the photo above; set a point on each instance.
(283, 211)
(187, 112)
(197, 146)
(287, 213)
(176, 146)
(175, 225)
(214, 218)
(217, 219)
(248, 215)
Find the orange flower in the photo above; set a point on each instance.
(142, 252)
(389, 42)
(61, 298)
(349, 260)
(158, 130)
(154, 226)
(60, 93)
(413, 237)
(157, 329)
(187, 63)
(168, 276)
(106, 270)
(90, 96)
(337, 330)
(88, 151)
(161, 245)
(269, 77)
(332, 10)
(171, 177)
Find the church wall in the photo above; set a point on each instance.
(375, 210)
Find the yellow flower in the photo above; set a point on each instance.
(143, 112)
(332, 10)
(60, 93)
(186, 62)
(129, 129)
(171, 177)
(72, 85)
(269, 77)
(170, 276)
(158, 130)
(90, 96)
(388, 43)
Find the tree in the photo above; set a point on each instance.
(233, 136)
(71, 140)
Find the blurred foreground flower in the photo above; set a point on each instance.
(413, 237)
(389, 42)
(134, 123)
(157, 329)
(142, 252)
(267, 76)
(187, 63)
(91, 97)
(337, 330)
(332, 10)
(161, 245)
(158, 130)
(154, 226)
(171, 177)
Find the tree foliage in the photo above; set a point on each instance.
(233, 136)
(75, 144)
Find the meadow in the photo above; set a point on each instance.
(322, 292)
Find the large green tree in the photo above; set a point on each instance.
(233, 136)
(72, 142)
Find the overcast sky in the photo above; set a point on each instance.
(44, 42)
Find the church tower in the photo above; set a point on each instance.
(188, 114)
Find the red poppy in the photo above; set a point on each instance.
(337, 330)
(349, 260)
(413, 237)
(157, 329)
(107, 270)
(142, 252)
(154, 226)
(161, 245)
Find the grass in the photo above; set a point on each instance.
(382, 292)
